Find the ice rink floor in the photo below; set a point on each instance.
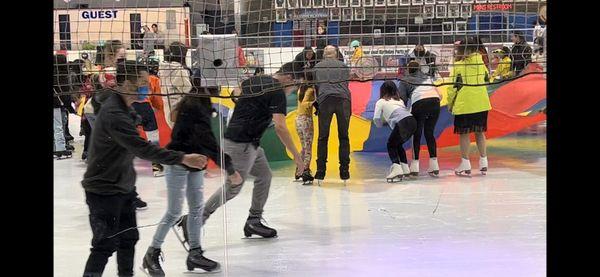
(449, 226)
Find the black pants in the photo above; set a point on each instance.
(342, 109)
(426, 112)
(110, 214)
(65, 122)
(87, 133)
(400, 134)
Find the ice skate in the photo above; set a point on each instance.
(414, 169)
(344, 175)
(483, 165)
(396, 173)
(307, 179)
(181, 232)
(196, 260)
(297, 178)
(464, 169)
(140, 204)
(405, 170)
(157, 170)
(254, 226)
(151, 265)
(434, 168)
(60, 155)
(319, 176)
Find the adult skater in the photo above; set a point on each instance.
(60, 85)
(391, 109)
(110, 177)
(425, 58)
(305, 60)
(250, 119)
(321, 41)
(520, 53)
(191, 134)
(469, 104)
(425, 108)
(333, 97)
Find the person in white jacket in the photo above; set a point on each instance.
(391, 108)
(174, 78)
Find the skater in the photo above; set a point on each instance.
(191, 134)
(520, 54)
(60, 85)
(502, 71)
(305, 60)
(113, 53)
(110, 177)
(357, 55)
(321, 41)
(304, 124)
(391, 109)
(469, 104)
(333, 97)
(250, 119)
(425, 58)
(425, 108)
(174, 78)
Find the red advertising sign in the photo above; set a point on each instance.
(492, 7)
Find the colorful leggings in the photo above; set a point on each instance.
(304, 127)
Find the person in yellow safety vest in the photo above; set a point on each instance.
(358, 52)
(503, 70)
(469, 102)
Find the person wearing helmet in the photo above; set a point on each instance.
(358, 52)
(503, 70)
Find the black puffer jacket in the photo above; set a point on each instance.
(192, 132)
(520, 55)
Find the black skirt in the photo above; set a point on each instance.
(469, 123)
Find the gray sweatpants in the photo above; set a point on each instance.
(247, 160)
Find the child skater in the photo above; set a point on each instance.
(391, 108)
(304, 124)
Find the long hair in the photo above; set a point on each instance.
(308, 83)
(176, 53)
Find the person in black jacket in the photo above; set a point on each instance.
(520, 53)
(109, 180)
(321, 41)
(191, 134)
(305, 60)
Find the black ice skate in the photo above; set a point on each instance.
(254, 226)
(181, 232)
(139, 204)
(70, 147)
(195, 260)
(319, 176)
(344, 175)
(66, 154)
(307, 179)
(151, 264)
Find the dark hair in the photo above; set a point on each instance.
(259, 70)
(154, 24)
(309, 49)
(389, 88)
(467, 46)
(308, 83)
(288, 69)
(520, 35)
(176, 53)
(413, 67)
(130, 71)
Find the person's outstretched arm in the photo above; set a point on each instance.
(284, 136)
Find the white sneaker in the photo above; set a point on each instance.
(396, 172)
(483, 165)
(414, 168)
(464, 169)
(434, 168)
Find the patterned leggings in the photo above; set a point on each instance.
(304, 127)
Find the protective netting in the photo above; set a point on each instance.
(226, 42)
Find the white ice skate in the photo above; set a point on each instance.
(434, 168)
(395, 174)
(405, 170)
(414, 168)
(483, 165)
(464, 169)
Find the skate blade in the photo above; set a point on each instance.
(435, 174)
(483, 171)
(200, 271)
(257, 237)
(141, 209)
(307, 183)
(463, 173)
(145, 271)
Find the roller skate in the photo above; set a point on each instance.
(434, 168)
(396, 173)
(464, 169)
(483, 165)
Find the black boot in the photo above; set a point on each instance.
(320, 174)
(344, 173)
(140, 204)
(63, 154)
(255, 227)
(151, 263)
(195, 260)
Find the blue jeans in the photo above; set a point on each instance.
(177, 177)
(59, 135)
